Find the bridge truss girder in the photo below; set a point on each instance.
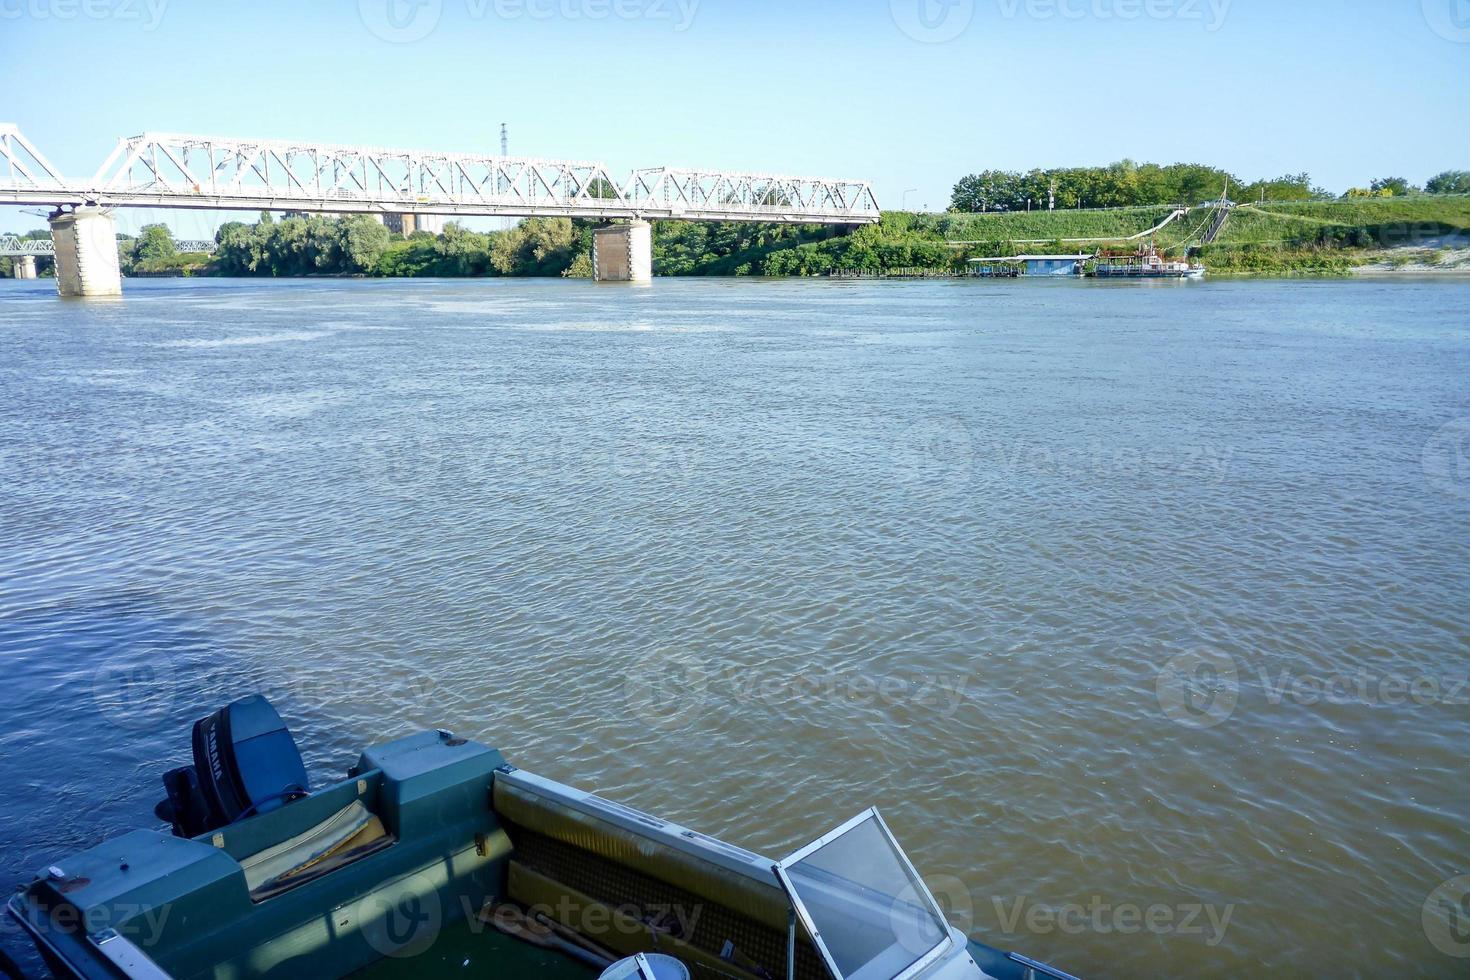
(179, 171)
(14, 245)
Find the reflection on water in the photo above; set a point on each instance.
(1139, 611)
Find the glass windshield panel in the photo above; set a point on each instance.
(871, 912)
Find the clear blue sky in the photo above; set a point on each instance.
(1348, 90)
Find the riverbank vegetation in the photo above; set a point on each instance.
(1318, 237)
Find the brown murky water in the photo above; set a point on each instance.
(1140, 611)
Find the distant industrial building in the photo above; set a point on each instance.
(407, 224)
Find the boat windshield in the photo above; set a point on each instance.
(863, 904)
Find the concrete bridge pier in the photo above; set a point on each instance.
(86, 253)
(623, 253)
(25, 266)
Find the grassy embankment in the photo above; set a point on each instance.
(1303, 238)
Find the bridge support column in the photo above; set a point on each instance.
(623, 253)
(86, 253)
(25, 266)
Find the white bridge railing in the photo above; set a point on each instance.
(170, 170)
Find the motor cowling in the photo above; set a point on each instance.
(245, 762)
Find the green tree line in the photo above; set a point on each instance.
(1129, 184)
(361, 245)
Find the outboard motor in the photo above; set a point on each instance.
(245, 762)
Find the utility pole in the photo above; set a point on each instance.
(506, 223)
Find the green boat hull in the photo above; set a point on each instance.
(465, 831)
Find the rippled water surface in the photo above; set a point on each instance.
(1143, 613)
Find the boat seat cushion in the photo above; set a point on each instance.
(347, 835)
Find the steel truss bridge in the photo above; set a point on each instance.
(163, 170)
(12, 245)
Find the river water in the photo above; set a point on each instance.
(1143, 612)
